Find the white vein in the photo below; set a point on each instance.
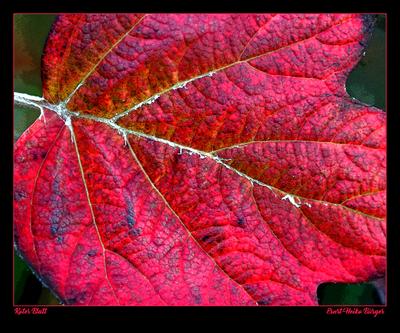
(292, 200)
(68, 123)
(67, 116)
(153, 98)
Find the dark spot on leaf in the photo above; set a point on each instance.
(60, 239)
(135, 231)
(264, 301)
(205, 238)
(55, 187)
(196, 295)
(241, 222)
(197, 299)
(19, 195)
(54, 226)
(130, 220)
(92, 253)
(250, 289)
(76, 297)
(130, 216)
(234, 290)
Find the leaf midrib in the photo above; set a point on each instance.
(65, 114)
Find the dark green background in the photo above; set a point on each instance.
(366, 83)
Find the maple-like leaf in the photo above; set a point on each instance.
(201, 160)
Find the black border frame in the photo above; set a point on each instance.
(9, 7)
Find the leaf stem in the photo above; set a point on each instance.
(29, 100)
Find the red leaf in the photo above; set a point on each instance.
(201, 159)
